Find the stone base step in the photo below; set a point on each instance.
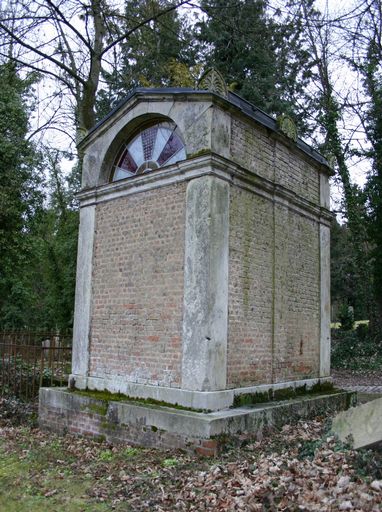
(160, 426)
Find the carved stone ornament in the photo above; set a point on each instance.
(287, 126)
(331, 159)
(213, 81)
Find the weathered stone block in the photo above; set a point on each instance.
(167, 427)
(361, 426)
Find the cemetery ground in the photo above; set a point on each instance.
(301, 467)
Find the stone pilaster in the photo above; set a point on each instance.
(82, 313)
(205, 317)
(325, 301)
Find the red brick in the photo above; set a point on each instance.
(138, 286)
(210, 443)
(205, 452)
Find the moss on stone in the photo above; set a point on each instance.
(108, 396)
(105, 396)
(251, 398)
(283, 394)
(100, 438)
(201, 152)
(323, 387)
(108, 425)
(100, 409)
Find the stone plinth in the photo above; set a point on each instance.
(165, 427)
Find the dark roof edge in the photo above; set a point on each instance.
(269, 122)
(240, 103)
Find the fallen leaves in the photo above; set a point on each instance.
(300, 469)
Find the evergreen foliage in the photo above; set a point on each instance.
(157, 54)
(261, 58)
(38, 230)
(54, 241)
(373, 84)
(280, 59)
(20, 196)
(151, 49)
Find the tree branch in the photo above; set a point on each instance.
(125, 35)
(43, 55)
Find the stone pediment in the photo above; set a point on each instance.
(203, 117)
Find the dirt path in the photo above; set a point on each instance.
(348, 379)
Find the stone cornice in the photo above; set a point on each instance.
(233, 103)
(203, 165)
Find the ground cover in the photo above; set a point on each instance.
(301, 467)
(357, 350)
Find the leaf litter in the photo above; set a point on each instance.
(300, 468)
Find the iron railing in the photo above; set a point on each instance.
(29, 360)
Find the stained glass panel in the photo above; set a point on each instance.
(180, 155)
(173, 145)
(127, 163)
(121, 174)
(162, 137)
(154, 147)
(148, 140)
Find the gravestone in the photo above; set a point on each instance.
(361, 426)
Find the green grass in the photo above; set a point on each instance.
(30, 487)
(43, 472)
(40, 479)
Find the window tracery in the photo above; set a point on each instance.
(152, 148)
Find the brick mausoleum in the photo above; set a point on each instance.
(203, 260)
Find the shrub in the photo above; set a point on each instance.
(356, 349)
(14, 412)
(346, 317)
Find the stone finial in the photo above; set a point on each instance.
(287, 126)
(213, 81)
(331, 159)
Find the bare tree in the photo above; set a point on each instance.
(70, 41)
(365, 37)
(332, 110)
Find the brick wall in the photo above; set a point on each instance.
(274, 293)
(82, 419)
(138, 277)
(297, 296)
(253, 148)
(113, 422)
(138, 287)
(250, 289)
(294, 173)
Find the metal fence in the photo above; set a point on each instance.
(29, 360)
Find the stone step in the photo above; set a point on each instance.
(170, 427)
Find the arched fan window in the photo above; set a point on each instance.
(153, 147)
